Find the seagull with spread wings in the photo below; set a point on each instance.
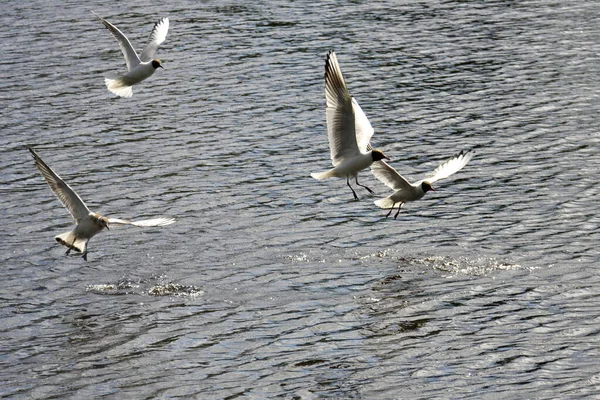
(139, 67)
(406, 191)
(88, 223)
(348, 129)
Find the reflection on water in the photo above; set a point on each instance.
(274, 284)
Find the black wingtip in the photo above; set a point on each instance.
(328, 60)
(463, 153)
(330, 53)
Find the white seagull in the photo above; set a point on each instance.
(406, 191)
(139, 67)
(88, 223)
(348, 129)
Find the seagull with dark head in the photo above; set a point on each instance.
(348, 129)
(406, 191)
(139, 67)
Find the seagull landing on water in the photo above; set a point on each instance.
(406, 191)
(139, 67)
(348, 129)
(88, 223)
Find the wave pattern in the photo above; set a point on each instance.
(272, 283)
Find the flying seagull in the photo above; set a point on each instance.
(348, 129)
(88, 223)
(406, 191)
(138, 67)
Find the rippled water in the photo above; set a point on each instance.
(272, 284)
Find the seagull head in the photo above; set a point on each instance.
(156, 63)
(426, 186)
(378, 155)
(102, 221)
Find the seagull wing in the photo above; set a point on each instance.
(65, 194)
(131, 58)
(389, 176)
(158, 35)
(143, 223)
(362, 126)
(450, 167)
(339, 113)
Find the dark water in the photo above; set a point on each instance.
(272, 284)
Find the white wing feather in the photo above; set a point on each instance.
(143, 223)
(362, 126)
(389, 176)
(158, 35)
(131, 58)
(339, 113)
(449, 167)
(65, 194)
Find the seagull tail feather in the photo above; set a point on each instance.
(69, 240)
(119, 85)
(323, 175)
(386, 203)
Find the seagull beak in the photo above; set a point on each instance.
(432, 189)
(387, 158)
(160, 65)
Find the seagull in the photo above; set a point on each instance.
(348, 129)
(406, 191)
(138, 67)
(88, 223)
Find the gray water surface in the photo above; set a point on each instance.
(273, 284)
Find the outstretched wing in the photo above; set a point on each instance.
(389, 176)
(158, 35)
(339, 113)
(131, 58)
(450, 167)
(143, 223)
(65, 194)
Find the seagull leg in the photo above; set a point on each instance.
(370, 191)
(398, 212)
(84, 255)
(391, 209)
(69, 247)
(353, 192)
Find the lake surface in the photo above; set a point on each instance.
(272, 284)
